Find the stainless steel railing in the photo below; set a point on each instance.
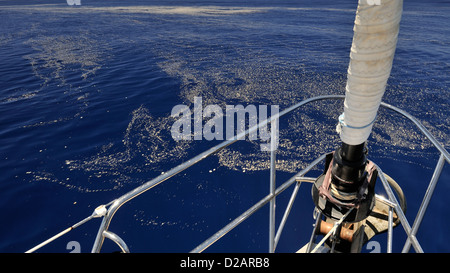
(107, 211)
(148, 185)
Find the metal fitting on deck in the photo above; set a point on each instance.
(348, 182)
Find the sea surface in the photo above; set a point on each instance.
(86, 95)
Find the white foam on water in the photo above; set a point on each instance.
(221, 73)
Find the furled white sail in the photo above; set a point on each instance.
(373, 47)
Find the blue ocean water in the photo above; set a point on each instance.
(86, 95)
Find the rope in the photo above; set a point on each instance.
(336, 225)
(343, 123)
(98, 212)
